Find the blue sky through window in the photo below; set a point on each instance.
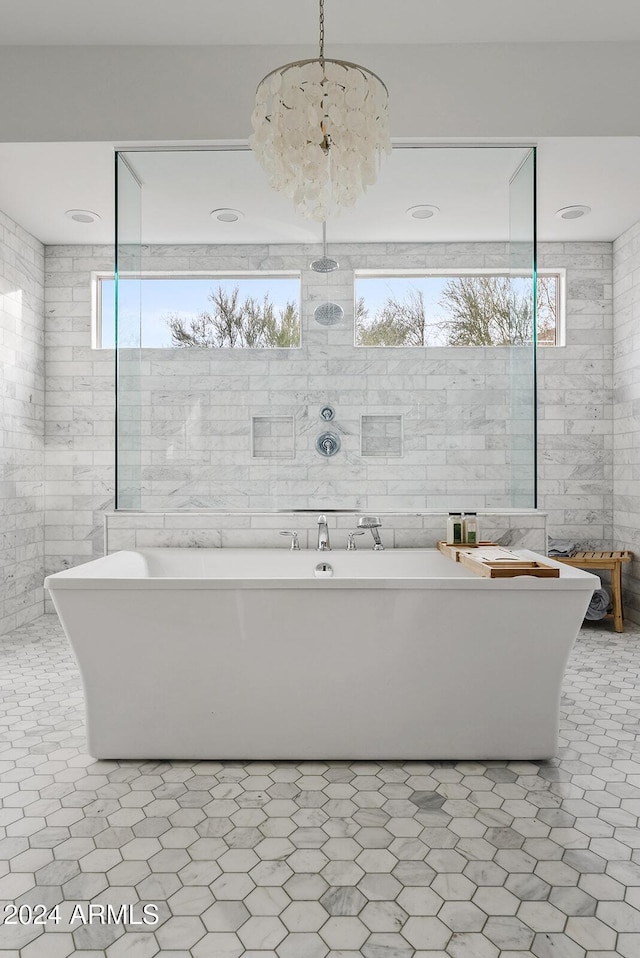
(376, 290)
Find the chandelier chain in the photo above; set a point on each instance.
(322, 32)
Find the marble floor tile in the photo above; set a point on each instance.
(319, 859)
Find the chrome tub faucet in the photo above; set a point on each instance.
(323, 535)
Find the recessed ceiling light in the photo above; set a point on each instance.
(573, 212)
(82, 216)
(423, 212)
(227, 216)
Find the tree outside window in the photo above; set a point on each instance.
(237, 323)
(480, 310)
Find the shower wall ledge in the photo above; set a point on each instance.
(518, 528)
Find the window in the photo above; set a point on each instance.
(235, 311)
(461, 309)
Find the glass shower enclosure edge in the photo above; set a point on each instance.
(128, 335)
(522, 352)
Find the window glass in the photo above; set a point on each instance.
(214, 312)
(463, 310)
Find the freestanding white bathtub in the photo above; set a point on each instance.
(247, 654)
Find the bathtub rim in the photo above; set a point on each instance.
(76, 578)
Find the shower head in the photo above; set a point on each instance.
(328, 314)
(373, 524)
(369, 522)
(325, 264)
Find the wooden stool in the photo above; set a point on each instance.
(612, 561)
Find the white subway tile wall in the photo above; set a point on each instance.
(518, 530)
(575, 411)
(21, 426)
(626, 398)
(197, 406)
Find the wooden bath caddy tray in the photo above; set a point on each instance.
(494, 562)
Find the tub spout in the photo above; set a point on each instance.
(323, 535)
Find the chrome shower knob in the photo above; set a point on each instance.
(328, 444)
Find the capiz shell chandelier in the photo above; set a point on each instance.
(320, 128)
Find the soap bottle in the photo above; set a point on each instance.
(471, 532)
(454, 529)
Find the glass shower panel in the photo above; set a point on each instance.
(522, 351)
(128, 342)
(264, 366)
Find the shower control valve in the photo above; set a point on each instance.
(327, 413)
(328, 444)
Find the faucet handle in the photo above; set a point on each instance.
(295, 545)
(351, 546)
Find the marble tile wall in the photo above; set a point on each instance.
(197, 406)
(575, 401)
(79, 415)
(626, 391)
(21, 426)
(518, 530)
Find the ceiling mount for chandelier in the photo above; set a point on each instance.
(320, 128)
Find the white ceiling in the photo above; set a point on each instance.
(39, 181)
(472, 187)
(153, 22)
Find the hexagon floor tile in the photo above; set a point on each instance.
(313, 859)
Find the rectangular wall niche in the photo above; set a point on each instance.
(381, 436)
(272, 437)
